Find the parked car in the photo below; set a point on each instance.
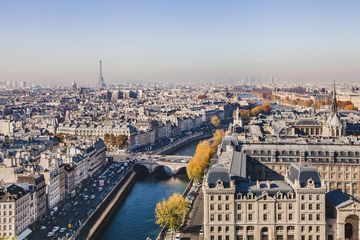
(202, 231)
(178, 236)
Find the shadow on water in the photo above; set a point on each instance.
(159, 173)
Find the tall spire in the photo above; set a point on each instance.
(334, 101)
(101, 82)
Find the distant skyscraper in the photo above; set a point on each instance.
(101, 83)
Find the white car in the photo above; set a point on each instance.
(62, 230)
(50, 234)
(42, 228)
(178, 236)
(56, 228)
(92, 197)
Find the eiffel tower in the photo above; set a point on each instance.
(101, 82)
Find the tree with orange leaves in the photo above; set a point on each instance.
(203, 153)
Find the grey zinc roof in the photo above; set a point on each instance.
(303, 173)
(337, 198)
(307, 122)
(99, 144)
(259, 187)
(228, 140)
(218, 172)
(238, 165)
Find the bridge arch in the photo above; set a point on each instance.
(162, 171)
(141, 169)
(179, 171)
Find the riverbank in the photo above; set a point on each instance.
(136, 211)
(134, 218)
(96, 220)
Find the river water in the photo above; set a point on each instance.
(135, 218)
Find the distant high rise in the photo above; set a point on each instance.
(101, 83)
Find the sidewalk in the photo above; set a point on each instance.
(195, 219)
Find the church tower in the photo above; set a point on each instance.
(333, 127)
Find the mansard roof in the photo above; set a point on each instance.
(238, 164)
(216, 173)
(258, 187)
(228, 140)
(307, 122)
(303, 173)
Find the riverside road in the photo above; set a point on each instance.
(73, 212)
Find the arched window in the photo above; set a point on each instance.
(264, 234)
(348, 231)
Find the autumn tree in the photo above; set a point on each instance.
(203, 153)
(245, 113)
(255, 111)
(348, 107)
(171, 212)
(120, 140)
(215, 120)
(112, 140)
(202, 96)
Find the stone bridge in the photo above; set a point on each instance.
(153, 162)
(152, 166)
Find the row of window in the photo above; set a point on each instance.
(310, 229)
(301, 153)
(310, 206)
(219, 207)
(5, 235)
(219, 197)
(6, 220)
(6, 228)
(251, 237)
(311, 217)
(310, 197)
(219, 217)
(265, 217)
(6, 213)
(5, 206)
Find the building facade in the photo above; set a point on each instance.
(251, 209)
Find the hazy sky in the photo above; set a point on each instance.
(179, 40)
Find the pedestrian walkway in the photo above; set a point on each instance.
(195, 221)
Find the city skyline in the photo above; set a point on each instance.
(179, 42)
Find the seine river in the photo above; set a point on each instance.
(135, 219)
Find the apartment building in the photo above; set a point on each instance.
(14, 212)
